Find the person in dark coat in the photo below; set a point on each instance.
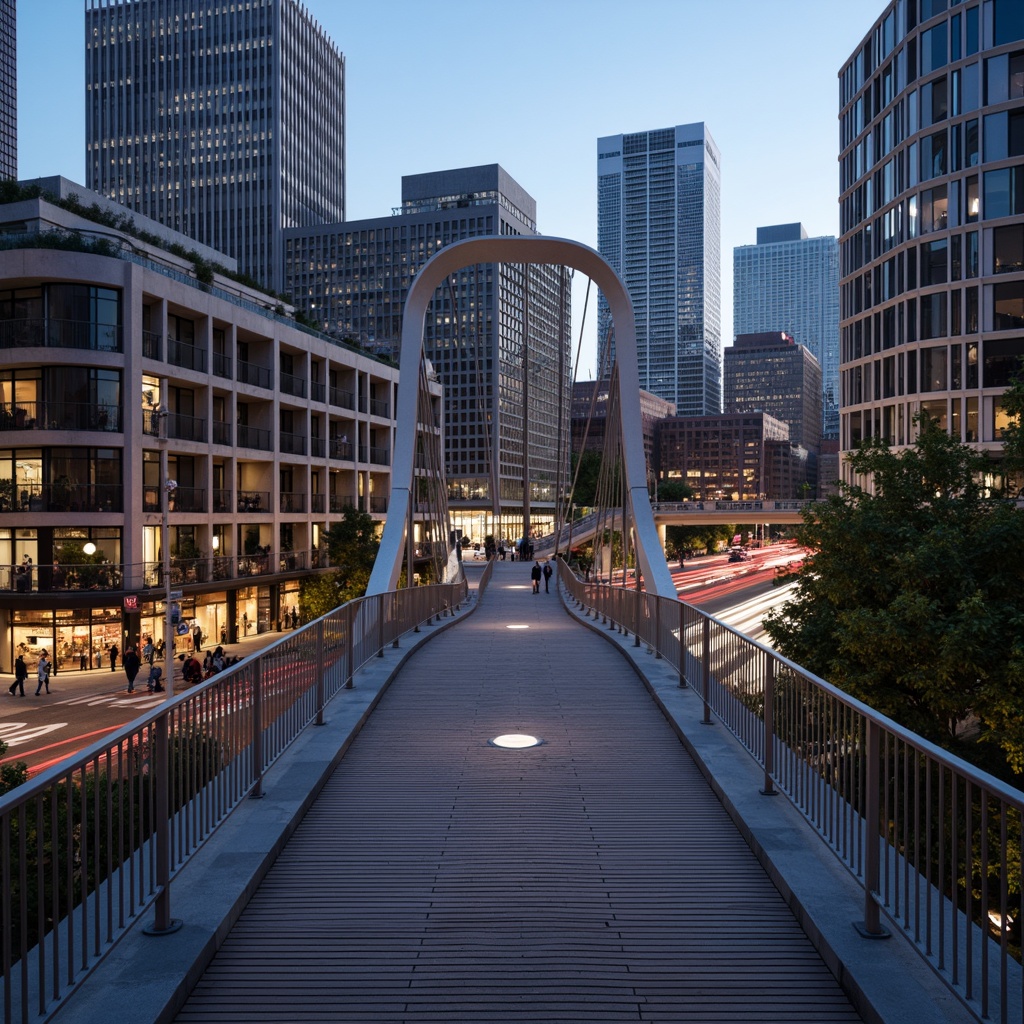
(535, 576)
(20, 675)
(114, 652)
(132, 663)
(548, 571)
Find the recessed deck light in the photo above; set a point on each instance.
(515, 741)
(517, 625)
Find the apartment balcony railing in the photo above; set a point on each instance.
(40, 332)
(188, 499)
(151, 422)
(152, 345)
(293, 501)
(221, 499)
(293, 561)
(363, 403)
(362, 452)
(341, 450)
(254, 501)
(378, 504)
(317, 391)
(343, 399)
(59, 415)
(98, 575)
(190, 357)
(62, 495)
(186, 428)
(254, 437)
(317, 503)
(222, 433)
(250, 373)
(342, 502)
(378, 407)
(222, 365)
(380, 456)
(254, 565)
(317, 447)
(289, 384)
(292, 444)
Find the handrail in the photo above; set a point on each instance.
(84, 846)
(934, 841)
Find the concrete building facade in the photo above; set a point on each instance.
(115, 357)
(932, 214)
(225, 122)
(659, 227)
(507, 403)
(789, 282)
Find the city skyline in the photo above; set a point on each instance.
(770, 106)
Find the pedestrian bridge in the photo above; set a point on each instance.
(392, 863)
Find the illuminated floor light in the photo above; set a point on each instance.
(515, 741)
(517, 625)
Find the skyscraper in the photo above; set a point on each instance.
(659, 227)
(789, 282)
(223, 121)
(506, 405)
(932, 215)
(8, 90)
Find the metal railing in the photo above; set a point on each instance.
(253, 373)
(51, 332)
(934, 841)
(91, 844)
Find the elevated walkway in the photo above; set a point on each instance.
(436, 877)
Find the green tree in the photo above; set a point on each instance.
(673, 490)
(1012, 463)
(912, 601)
(12, 773)
(586, 477)
(351, 547)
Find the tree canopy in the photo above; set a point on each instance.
(352, 545)
(913, 599)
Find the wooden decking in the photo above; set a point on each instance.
(593, 878)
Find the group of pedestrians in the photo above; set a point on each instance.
(21, 674)
(537, 572)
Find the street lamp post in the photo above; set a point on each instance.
(170, 486)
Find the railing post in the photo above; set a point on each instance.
(682, 644)
(320, 684)
(257, 728)
(163, 923)
(350, 644)
(394, 617)
(769, 727)
(657, 629)
(706, 671)
(379, 602)
(872, 926)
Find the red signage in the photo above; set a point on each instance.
(131, 602)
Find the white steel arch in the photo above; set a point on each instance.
(518, 249)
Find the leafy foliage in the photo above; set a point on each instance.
(912, 601)
(12, 773)
(352, 546)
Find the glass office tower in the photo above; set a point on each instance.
(8, 90)
(225, 122)
(932, 213)
(789, 283)
(659, 227)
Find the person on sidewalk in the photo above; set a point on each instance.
(154, 685)
(535, 576)
(20, 675)
(43, 673)
(131, 663)
(113, 652)
(548, 571)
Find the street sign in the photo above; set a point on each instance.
(175, 595)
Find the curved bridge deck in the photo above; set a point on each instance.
(593, 878)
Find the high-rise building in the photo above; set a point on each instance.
(223, 121)
(502, 398)
(659, 227)
(932, 214)
(789, 282)
(771, 373)
(8, 90)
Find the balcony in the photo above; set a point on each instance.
(317, 503)
(380, 456)
(60, 416)
(63, 495)
(378, 504)
(254, 501)
(289, 384)
(341, 503)
(221, 499)
(250, 373)
(292, 444)
(254, 437)
(186, 428)
(341, 450)
(222, 365)
(378, 407)
(77, 334)
(222, 433)
(45, 578)
(188, 499)
(317, 447)
(190, 357)
(343, 399)
(317, 391)
(153, 345)
(293, 501)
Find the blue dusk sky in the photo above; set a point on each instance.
(532, 86)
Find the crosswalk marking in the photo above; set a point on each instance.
(13, 733)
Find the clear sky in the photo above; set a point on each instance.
(531, 85)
